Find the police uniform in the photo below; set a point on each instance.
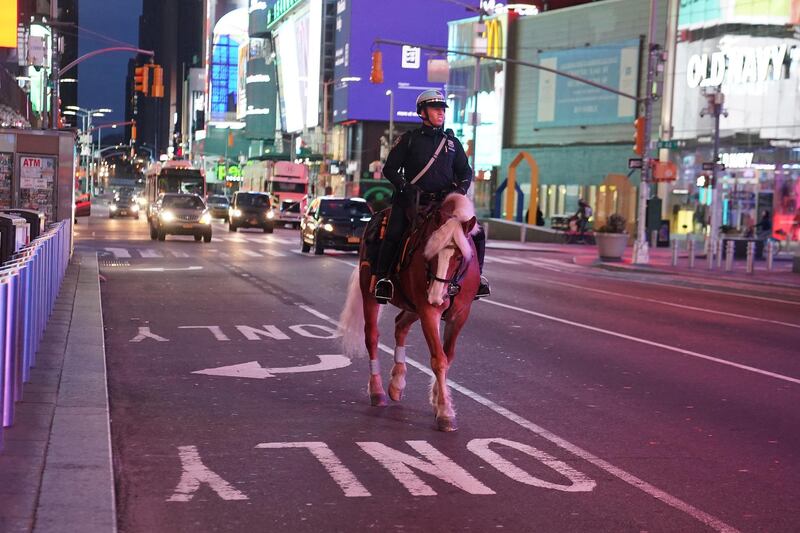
(450, 172)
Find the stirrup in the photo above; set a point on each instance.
(384, 290)
(483, 289)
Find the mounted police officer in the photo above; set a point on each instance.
(424, 165)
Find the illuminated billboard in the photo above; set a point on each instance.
(405, 69)
(699, 13)
(8, 24)
(298, 45)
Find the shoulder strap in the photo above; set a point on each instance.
(430, 162)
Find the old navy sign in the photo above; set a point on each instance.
(743, 65)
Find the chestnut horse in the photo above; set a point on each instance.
(438, 283)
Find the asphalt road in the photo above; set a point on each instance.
(587, 400)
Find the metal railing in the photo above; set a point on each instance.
(29, 284)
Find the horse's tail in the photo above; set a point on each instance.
(351, 320)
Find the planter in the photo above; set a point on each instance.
(611, 246)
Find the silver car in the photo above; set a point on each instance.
(181, 214)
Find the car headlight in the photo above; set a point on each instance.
(135, 208)
(236, 212)
(270, 215)
(112, 207)
(327, 227)
(206, 218)
(167, 216)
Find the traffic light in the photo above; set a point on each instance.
(638, 138)
(158, 82)
(140, 80)
(376, 72)
(704, 181)
(133, 131)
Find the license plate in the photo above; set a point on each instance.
(353, 240)
(187, 226)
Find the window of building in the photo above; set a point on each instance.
(224, 76)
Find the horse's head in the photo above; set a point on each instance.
(448, 247)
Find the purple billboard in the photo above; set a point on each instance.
(358, 24)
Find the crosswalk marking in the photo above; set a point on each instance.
(251, 253)
(273, 253)
(235, 239)
(501, 260)
(120, 253)
(149, 252)
(281, 240)
(179, 254)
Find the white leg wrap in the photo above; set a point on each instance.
(374, 367)
(400, 354)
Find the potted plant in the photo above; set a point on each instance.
(612, 238)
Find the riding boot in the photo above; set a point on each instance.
(384, 288)
(480, 247)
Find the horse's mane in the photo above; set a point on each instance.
(462, 211)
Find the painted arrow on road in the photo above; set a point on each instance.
(256, 371)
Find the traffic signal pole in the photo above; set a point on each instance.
(641, 250)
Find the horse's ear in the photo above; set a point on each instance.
(469, 225)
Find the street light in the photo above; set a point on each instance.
(390, 94)
(86, 116)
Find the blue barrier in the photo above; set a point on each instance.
(29, 285)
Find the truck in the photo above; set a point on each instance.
(286, 183)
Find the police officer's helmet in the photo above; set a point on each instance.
(430, 98)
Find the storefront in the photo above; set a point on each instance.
(747, 52)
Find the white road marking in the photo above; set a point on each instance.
(399, 464)
(167, 269)
(145, 333)
(544, 262)
(281, 240)
(271, 332)
(254, 370)
(149, 252)
(235, 239)
(671, 304)
(501, 260)
(712, 291)
(215, 330)
(177, 253)
(251, 253)
(649, 343)
(617, 472)
(119, 253)
(195, 473)
(302, 329)
(342, 475)
(273, 253)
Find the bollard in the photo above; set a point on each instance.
(691, 252)
(654, 238)
(522, 233)
(710, 248)
(674, 252)
(9, 344)
(718, 247)
(751, 251)
(770, 254)
(728, 256)
(485, 232)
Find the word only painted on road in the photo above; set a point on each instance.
(401, 465)
(250, 333)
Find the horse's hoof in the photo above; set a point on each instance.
(444, 423)
(378, 400)
(395, 393)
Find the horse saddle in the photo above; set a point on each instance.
(373, 235)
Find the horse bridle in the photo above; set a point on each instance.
(453, 286)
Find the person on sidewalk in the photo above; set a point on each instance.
(424, 165)
(582, 215)
(764, 226)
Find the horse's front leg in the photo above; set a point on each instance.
(397, 383)
(377, 396)
(440, 395)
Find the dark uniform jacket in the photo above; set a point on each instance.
(413, 150)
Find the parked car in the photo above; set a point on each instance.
(334, 222)
(251, 210)
(122, 206)
(218, 206)
(83, 205)
(181, 214)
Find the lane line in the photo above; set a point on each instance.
(251, 253)
(273, 253)
(671, 304)
(713, 291)
(649, 343)
(501, 260)
(281, 240)
(632, 480)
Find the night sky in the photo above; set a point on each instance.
(101, 79)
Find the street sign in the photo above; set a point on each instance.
(665, 171)
(672, 144)
(635, 162)
(710, 166)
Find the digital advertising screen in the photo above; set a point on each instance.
(358, 24)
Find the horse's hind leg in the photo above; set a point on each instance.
(397, 383)
(377, 396)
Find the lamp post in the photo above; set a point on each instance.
(87, 114)
(390, 94)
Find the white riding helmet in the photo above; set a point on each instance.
(432, 98)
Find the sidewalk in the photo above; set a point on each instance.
(661, 263)
(55, 470)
